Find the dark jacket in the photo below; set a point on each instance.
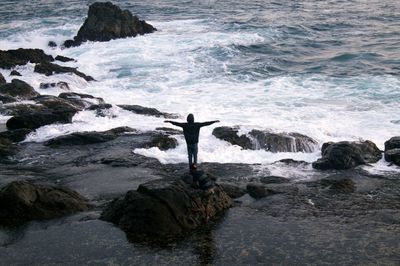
(191, 130)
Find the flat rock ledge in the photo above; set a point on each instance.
(22, 201)
(165, 208)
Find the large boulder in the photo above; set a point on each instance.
(18, 89)
(141, 110)
(392, 150)
(107, 21)
(12, 58)
(49, 69)
(346, 155)
(265, 140)
(230, 134)
(164, 208)
(23, 201)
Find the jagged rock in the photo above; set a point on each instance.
(283, 142)
(11, 58)
(346, 155)
(101, 109)
(82, 100)
(137, 109)
(230, 134)
(233, 191)
(273, 179)
(52, 44)
(273, 142)
(51, 110)
(107, 21)
(343, 185)
(163, 208)
(49, 69)
(163, 142)
(15, 73)
(61, 84)
(2, 79)
(84, 138)
(18, 89)
(7, 148)
(24, 201)
(170, 131)
(63, 58)
(15, 135)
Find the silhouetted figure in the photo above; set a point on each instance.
(191, 131)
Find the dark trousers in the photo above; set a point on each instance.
(192, 154)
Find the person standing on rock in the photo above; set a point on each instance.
(191, 132)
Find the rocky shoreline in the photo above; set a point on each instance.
(98, 171)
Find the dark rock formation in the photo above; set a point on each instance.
(82, 100)
(164, 208)
(346, 155)
(61, 84)
(170, 131)
(15, 135)
(273, 142)
(7, 99)
(18, 89)
(12, 58)
(63, 58)
(234, 191)
(49, 69)
(230, 134)
(15, 73)
(137, 109)
(273, 180)
(52, 44)
(2, 79)
(7, 148)
(105, 22)
(24, 201)
(392, 150)
(84, 138)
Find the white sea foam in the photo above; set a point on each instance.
(179, 69)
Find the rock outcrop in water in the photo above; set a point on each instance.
(346, 155)
(18, 89)
(49, 69)
(13, 58)
(141, 110)
(273, 142)
(2, 79)
(392, 150)
(164, 208)
(107, 21)
(23, 201)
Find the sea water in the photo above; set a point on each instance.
(325, 69)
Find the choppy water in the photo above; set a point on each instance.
(326, 69)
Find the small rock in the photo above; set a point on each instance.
(233, 191)
(137, 109)
(63, 58)
(49, 69)
(273, 180)
(258, 191)
(52, 44)
(393, 156)
(15, 73)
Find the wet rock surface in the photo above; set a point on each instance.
(49, 69)
(141, 110)
(106, 21)
(18, 89)
(13, 58)
(392, 150)
(2, 79)
(24, 201)
(273, 142)
(165, 208)
(346, 155)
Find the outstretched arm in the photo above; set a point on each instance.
(174, 123)
(208, 123)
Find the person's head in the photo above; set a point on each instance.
(190, 118)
